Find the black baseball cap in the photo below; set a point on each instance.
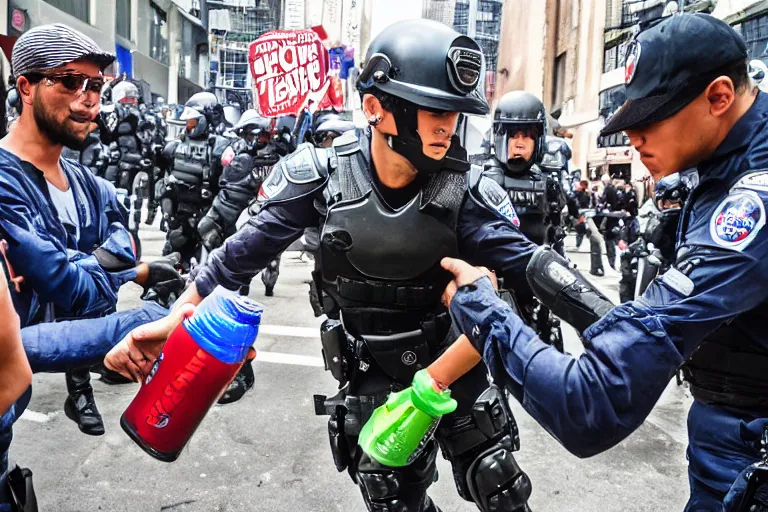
(670, 64)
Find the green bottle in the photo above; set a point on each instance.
(396, 432)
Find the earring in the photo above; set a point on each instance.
(374, 120)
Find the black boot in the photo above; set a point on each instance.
(269, 291)
(80, 405)
(244, 381)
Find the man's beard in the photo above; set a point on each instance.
(51, 128)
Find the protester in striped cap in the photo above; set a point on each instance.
(66, 229)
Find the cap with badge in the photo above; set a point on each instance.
(670, 64)
(51, 46)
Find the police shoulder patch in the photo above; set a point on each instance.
(756, 180)
(496, 197)
(737, 219)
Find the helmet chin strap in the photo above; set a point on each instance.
(408, 143)
(519, 165)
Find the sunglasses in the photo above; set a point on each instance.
(79, 83)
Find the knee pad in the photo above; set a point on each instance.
(403, 489)
(496, 482)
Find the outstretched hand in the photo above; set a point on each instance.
(463, 274)
(134, 356)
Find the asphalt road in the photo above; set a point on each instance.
(269, 452)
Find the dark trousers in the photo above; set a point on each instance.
(385, 488)
(722, 442)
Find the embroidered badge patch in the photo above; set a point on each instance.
(496, 197)
(630, 64)
(737, 220)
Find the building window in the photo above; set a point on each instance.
(233, 64)
(80, 9)
(610, 101)
(614, 57)
(158, 35)
(123, 18)
(558, 83)
(755, 33)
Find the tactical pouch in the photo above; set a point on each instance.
(400, 355)
(21, 490)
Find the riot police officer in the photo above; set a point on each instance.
(389, 203)
(244, 161)
(193, 181)
(654, 251)
(128, 152)
(519, 142)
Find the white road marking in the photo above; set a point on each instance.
(287, 330)
(37, 417)
(282, 358)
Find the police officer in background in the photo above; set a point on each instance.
(390, 202)
(707, 312)
(519, 135)
(241, 178)
(194, 175)
(519, 142)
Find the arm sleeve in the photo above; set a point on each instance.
(487, 239)
(255, 244)
(80, 287)
(592, 402)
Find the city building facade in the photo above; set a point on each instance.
(161, 44)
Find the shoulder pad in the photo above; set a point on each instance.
(487, 193)
(220, 144)
(303, 165)
(346, 143)
(239, 146)
(296, 176)
(170, 149)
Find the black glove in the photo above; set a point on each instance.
(164, 283)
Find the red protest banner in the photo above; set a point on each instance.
(288, 67)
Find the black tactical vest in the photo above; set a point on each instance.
(381, 266)
(191, 167)
(528, 194)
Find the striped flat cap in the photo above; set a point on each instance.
(51, 46)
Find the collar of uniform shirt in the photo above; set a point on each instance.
(740, 136)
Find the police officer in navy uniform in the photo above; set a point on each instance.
(706, 313)
(390, 201)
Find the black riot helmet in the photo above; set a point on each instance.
(207, 104)
(422, 64)
(516, 111)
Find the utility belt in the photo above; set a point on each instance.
(398, 355)
(720, 376)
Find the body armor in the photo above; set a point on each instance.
(189, 191)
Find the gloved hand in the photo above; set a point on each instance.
(164, 283)
(398, 430)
